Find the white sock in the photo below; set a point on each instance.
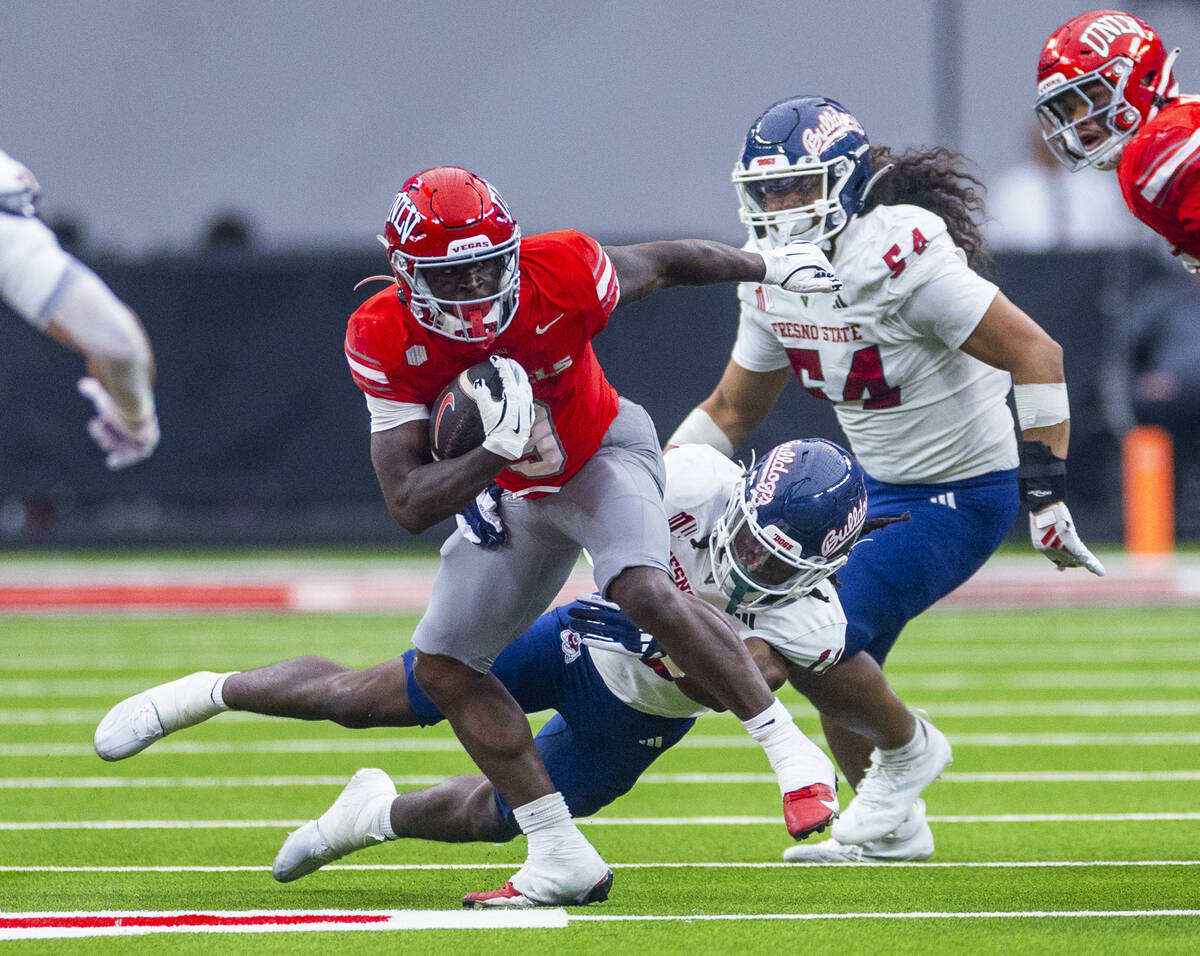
(218, 688)
(547, 823)
(914, 746)
(383, 824)
(788, 750)
(541, 813)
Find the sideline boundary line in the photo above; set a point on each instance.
(17, 926)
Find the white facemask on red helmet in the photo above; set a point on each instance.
(1101, 77)
(447, 221)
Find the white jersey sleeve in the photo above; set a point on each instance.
(885, 350)
(34, 270)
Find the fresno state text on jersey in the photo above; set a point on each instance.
(568, 290)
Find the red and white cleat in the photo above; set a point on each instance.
(810, 809)
(509, 897)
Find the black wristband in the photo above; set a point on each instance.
(1041, 477)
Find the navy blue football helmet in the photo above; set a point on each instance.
(790, 523)
(812, 156)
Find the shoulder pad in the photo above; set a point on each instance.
(887, 234)
(697, 474)
(18, 189)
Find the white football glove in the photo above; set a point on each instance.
(1053, 533)
(800, 267)
(1191, 263)
(125, 444)
(507, 421)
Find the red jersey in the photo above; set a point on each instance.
(1160, 174)
(568, 290)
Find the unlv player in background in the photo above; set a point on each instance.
(918, 353)
(1106, 98)
(581, 468)
(57, 294)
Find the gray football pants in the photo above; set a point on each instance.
(612, 506)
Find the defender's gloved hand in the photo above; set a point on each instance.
(1053, 533)
(1042, 479)
(480, 522)
(603, 625)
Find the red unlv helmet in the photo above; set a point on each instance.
(1101, 76)
(453, 246)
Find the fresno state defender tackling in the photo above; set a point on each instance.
(1107, 98)
(582, 468)
(758, 546)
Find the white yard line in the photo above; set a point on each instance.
(723, 865)
(694, 742)
(987, 914)
(425, 780)
(938, 680)
(915, 657)
(592, 821)
(975, 708)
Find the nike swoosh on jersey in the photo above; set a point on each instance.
(543, 329)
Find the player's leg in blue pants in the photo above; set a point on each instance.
(595, 747)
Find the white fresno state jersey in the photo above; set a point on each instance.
(33, 267)
(810, 631)
(885, 350)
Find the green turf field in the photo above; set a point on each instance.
(1074, 799)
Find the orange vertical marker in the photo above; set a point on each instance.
(1148, 470)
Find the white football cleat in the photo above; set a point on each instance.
(912, 840)
(350, 824)
(887, 790)
(138, 721)
(568, 873)
(509, 897)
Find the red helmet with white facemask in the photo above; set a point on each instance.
(1101, 77)
(453, 246)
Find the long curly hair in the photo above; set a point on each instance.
(934, 178)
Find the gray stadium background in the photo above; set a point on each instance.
(144, 120)
(618, 118)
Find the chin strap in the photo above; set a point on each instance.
(735, 600)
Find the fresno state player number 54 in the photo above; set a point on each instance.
(864, 381)
(892, 256)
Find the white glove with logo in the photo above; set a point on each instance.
(800, 267)
(124, 443)
(1191, 263)
(1053, 533)
(507, 420)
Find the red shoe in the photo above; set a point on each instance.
(509, 897)
(809, 810)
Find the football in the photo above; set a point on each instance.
(455, 427)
